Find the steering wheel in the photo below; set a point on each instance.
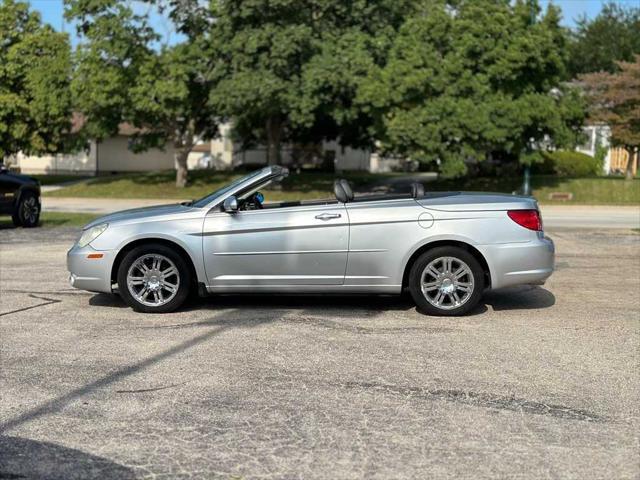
(254, 202)
(258, 198)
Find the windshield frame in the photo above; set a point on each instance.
(222, 192)
(255, 177)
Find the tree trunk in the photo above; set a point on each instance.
(274, 135)
(629, 173)
(181, 156)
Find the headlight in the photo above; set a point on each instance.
(91, 234)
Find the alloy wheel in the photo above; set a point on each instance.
(30, 210)
(447, 283)
(153, 280)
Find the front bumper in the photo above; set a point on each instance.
(520, 263)
(93, 274)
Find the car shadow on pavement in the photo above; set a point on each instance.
(336, 305)
(5, 225)
(30, 459)
(523, 297)
(107, 300)
(527, 297)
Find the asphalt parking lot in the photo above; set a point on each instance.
(539, 382)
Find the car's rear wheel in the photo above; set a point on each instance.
(446, 281)
(27, 212)
(153, 279)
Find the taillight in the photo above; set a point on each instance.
(526, 218)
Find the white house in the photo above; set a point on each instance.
(116, 155)
(597, 134)
(222, 154)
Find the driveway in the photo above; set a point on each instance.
(539, 382)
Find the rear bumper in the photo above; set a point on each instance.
(520, 263)
(90, 274)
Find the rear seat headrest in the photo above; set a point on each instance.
(347, 189)
(338, 189)
(417, 190)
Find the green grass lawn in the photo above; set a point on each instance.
(586, 191)
(201, 183)
(309, 185)
(64, 219)
(55, 219)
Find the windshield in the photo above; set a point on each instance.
(203, 202)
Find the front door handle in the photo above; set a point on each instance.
(328, 216)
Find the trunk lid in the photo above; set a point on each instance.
(476, 202)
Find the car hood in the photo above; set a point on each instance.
(138, 214)
(18, 179)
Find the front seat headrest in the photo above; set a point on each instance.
(347, 189)
(338, 189)
(417, 190)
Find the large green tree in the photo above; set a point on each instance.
(124, 74)
(612, 36)
(35, 70)
(290, 69)
(615, 100)
(474, 78)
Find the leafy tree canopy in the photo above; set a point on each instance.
(35, 67)
(473, 78)
(614, 35)
(432, 80)
(615, 100)
(290, 69)
(122, 74)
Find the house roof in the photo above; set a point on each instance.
(202, 147)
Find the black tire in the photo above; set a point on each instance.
(448, 308)
(183, 275)
(27, 211)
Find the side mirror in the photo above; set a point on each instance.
(230, 204)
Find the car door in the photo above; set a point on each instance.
(291, 246)
(382, 232)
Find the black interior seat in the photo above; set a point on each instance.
(417, 190)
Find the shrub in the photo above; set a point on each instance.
(570, 164)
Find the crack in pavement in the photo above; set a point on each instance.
(330, 324)
(483, 400)
(51, 292)
(48, 301)
(319, 322)
(156, 389)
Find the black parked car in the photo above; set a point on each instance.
(20, 198)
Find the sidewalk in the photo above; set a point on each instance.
(590, 216)
(554, 216)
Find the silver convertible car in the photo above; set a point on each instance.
(446, 248)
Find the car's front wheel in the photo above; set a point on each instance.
(446, 281)
(153, 279)
(27, 212)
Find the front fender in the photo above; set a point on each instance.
(184, 233)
